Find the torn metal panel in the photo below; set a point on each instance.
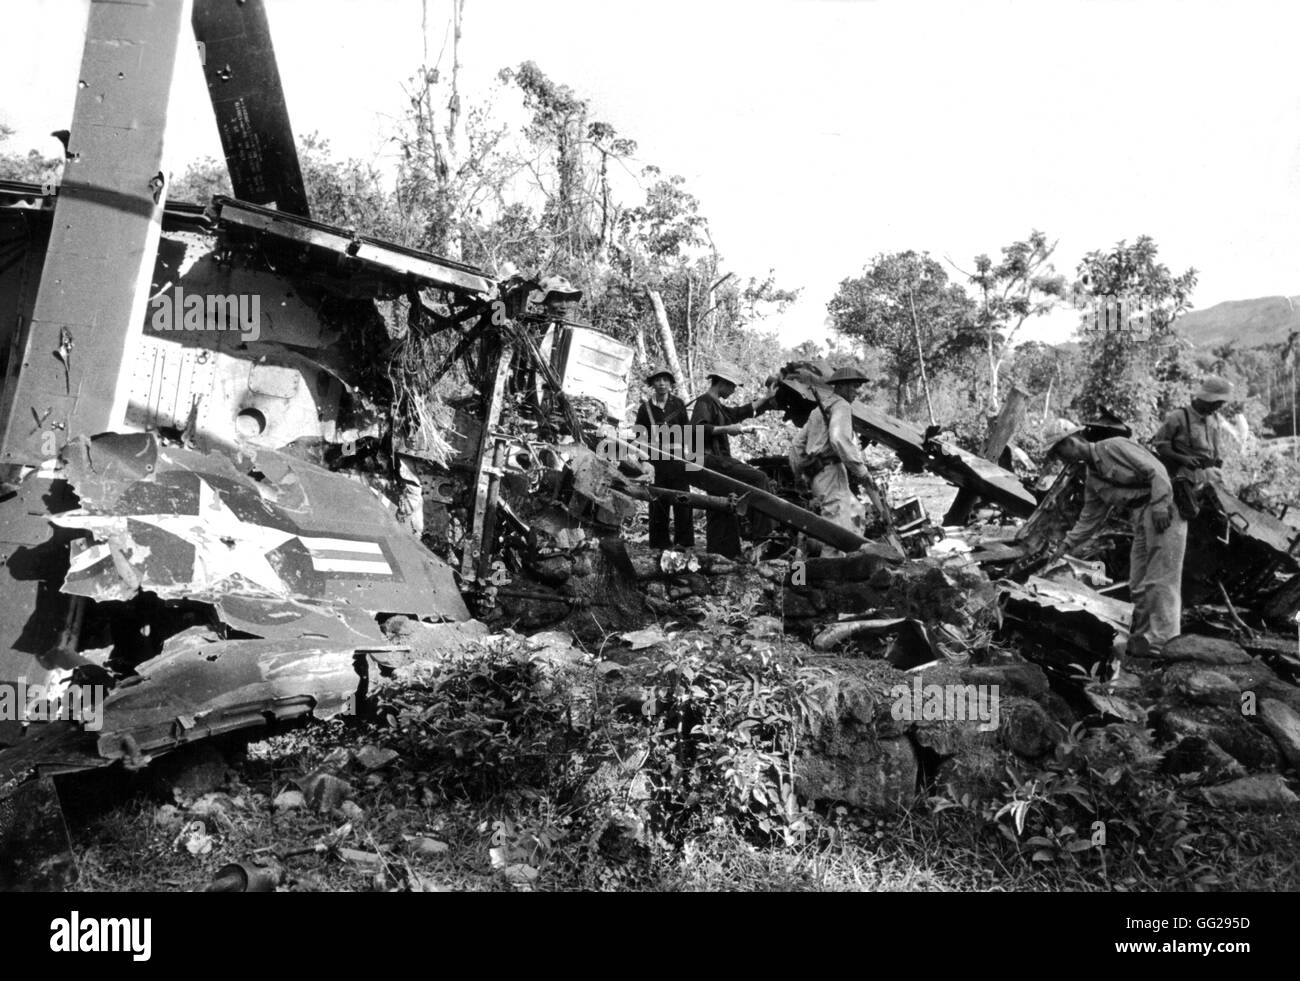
(351, 254)
(1247, 550)
(908, 441)
(248, 101)
(195, 692)
(311, 547)
(107, 221)
(218, 399)
(47, 749)
(33, 612)
(1068, 622)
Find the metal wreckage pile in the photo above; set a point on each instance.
(219, 525)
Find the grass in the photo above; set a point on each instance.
(485, 793)
(119, 844)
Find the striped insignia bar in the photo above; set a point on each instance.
(347, 555)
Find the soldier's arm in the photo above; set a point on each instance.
(843, 443)
(1091, 519)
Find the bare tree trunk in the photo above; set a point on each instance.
(993, 374)
(640, 346)
(920, 357)
(690, 334)
(665, 332)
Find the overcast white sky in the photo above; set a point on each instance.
(817, 133)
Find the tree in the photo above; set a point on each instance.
(1050, 371)
(1144, 369)
(1022, 285)
(32, 167)
(903, 305)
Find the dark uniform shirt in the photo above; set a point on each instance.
(710, 412)
(663, 425)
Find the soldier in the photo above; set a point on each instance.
(716, 422)
(826, 452)
(662, 418)
(1188, 441)
(1121, 473)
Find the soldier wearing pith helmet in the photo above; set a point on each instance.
(716, 422)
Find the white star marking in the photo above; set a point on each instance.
(224, 546)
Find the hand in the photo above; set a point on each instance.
(1162, 519)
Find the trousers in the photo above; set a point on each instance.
(722, 528)
(833, 497)
(1155, 579)
(671, 475)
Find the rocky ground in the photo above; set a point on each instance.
(724, 755)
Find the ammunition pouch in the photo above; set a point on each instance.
(1186, 498)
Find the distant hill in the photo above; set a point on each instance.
(1249, 323)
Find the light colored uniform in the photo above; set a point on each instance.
(1187, 432)
(831, 445)
(1121, 473)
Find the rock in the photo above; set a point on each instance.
(1206, 687)
(856, 751)
(1025, 728)
(1283, 724)
(1014, 678)
(195, 771)
(882, 778)
(1226, 728)
(1058, 709)
(337, 759)
(1206, 650)
(427, 846)
(1196, 754)
(429, 641)
(553, 570)
(352, 811)
(168, 817)
(1263, 791)
(324, 791)
(948, 735)
(289, 800)
(372, 757)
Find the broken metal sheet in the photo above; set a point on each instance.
(33, 612)
(908, 440)
(48, 749)
(107, 221)
(223, 400)
(352, 253)
(193, 270)
(1068, 613)
(198, 691)
(315, 554)
(1234, 544)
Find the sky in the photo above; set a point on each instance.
(819, 133)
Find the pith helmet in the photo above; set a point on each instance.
(1214, 389)
(727, 372)
(1056, 443)
(660, 373)
(847, 374)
